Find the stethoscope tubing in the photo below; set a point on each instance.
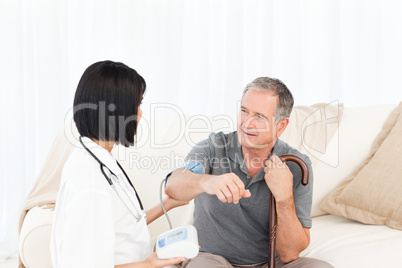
(110, 181)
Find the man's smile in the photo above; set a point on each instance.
(249, 133)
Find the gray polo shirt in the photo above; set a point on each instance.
(239, 232)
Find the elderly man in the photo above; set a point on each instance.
(231, 175)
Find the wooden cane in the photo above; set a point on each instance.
(272, 208)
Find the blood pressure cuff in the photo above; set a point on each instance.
(191, 165)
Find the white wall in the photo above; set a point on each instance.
(197, 55)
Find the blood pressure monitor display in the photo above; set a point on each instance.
(173, 236)
(179, 242)
(178, 234)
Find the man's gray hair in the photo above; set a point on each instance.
(277, 88)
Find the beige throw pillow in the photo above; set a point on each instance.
(373, 193)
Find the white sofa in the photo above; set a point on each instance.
(163, 143)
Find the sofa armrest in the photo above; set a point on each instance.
(34, 241)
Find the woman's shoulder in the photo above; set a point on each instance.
(82, 172)
(79, 161)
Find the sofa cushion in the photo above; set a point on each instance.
(347, 243)
(311, 128)
(372, 194)
(349, 147)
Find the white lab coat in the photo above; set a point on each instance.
(92, 226)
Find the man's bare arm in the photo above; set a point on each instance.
(292, 238)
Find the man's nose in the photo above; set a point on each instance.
(249, 122)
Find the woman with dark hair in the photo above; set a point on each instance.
(99, 220)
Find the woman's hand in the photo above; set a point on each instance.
(170, 203)
(152, 262)
(155, 262)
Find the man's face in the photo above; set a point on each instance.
(256, 126)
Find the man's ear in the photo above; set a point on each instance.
(281, 126)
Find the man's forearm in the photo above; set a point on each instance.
(184, 185)
(292, 237)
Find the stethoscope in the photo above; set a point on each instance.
(116, 179)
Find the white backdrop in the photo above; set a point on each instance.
(197, 55)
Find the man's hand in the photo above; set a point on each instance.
(279, 179)
(227, 187)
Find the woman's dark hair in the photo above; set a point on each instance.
(106, 102)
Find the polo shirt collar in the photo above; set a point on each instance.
(234, 150)
(102, 154)
(279, 148)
